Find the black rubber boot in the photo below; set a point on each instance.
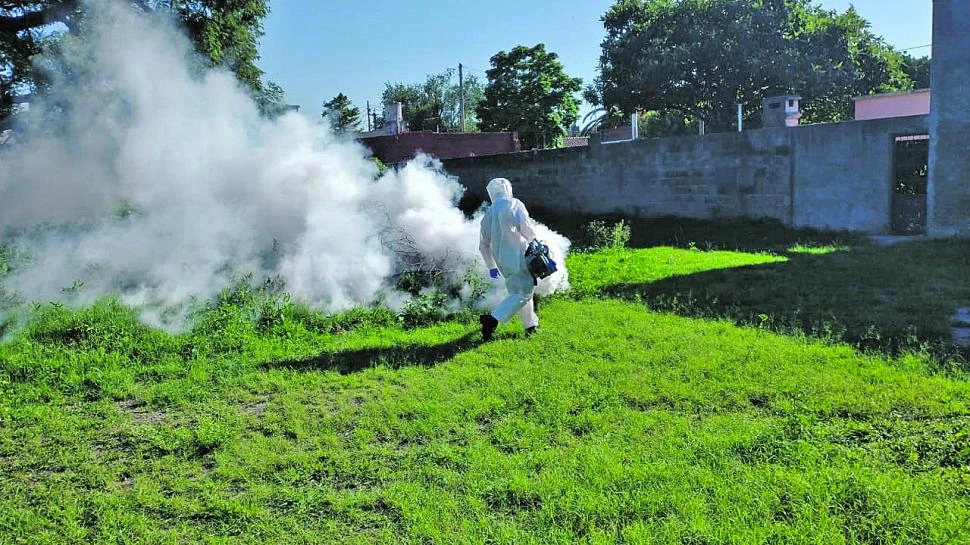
(489, 323)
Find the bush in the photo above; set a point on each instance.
(424, 310)
(381, 168)
(438, 294)
(600, 235)
(477, 285)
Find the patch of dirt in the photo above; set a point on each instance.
(140, 413)
(255, 408)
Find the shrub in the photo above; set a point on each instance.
(601, 235)
(424, 310)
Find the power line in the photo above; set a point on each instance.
(916, 47)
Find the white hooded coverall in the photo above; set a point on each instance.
(505, 235)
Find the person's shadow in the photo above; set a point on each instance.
(351, 361)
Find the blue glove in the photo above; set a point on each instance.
(494, 273)
(553, 266)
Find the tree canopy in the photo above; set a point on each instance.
(529, 92)
(703, 57)
(436, 103)
(342, 114)
(225, 32)
(918, 70)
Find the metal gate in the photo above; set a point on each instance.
(911, 156)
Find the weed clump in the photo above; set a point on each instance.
(600, 235)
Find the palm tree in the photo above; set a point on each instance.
(600, 118)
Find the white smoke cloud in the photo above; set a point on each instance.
(214, 189)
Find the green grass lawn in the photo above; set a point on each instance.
(889, 299)
(643, 413)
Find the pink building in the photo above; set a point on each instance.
(892, 105)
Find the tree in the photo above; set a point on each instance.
(225, 32)
(271, 100)
(655, 124)
(703, 57)
(600, 118)
(342, 114)
(20, 38)
(529, 92)
(918, 70)
(419, 110)
(436, 103)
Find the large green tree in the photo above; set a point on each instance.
(342, 114)
(436, 103)
(529, 92)
(20, 37)
(703, 57)
(918, 70)
(225, 32)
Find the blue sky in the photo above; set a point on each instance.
(318, 48)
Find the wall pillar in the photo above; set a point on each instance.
(948, 189)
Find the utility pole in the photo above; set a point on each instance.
(461, 90)
(368, 116)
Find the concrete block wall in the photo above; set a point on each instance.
(843, 173)
(835, 176)
(718, 175)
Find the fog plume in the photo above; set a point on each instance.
(147, 179)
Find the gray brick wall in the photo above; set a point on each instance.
(843, 173)
(832, 176)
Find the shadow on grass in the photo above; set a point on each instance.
(721, 234)
(352, 361)
(888, 299)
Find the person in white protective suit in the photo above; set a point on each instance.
(505, 234)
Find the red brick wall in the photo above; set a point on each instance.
(397, 148)
(619, 133)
